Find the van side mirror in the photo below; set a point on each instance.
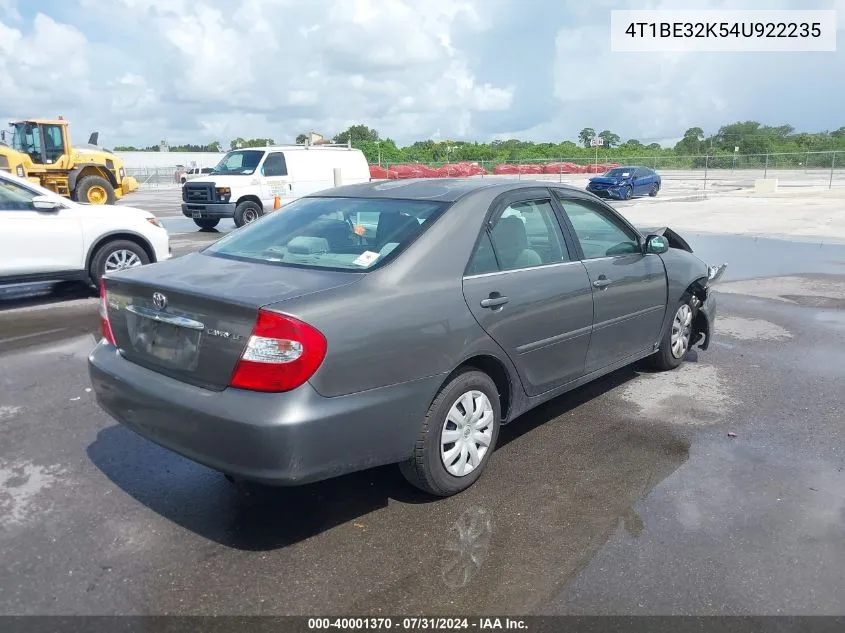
(656, 244)
(45, 203)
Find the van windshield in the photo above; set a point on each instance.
(242, 161)
(351, 234)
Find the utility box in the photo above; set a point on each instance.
(766, 185)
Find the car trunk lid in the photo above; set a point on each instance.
(191, 318)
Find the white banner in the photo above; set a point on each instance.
(722, 31)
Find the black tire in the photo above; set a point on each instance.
(664, 359)
(97, 267)
(85, 184)
(183, 180)
(629, 192)
(654, 189)
(246, 212)
(206, 223)
(425, 469)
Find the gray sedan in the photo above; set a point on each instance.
(391, 322)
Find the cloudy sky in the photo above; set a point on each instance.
(202, 70)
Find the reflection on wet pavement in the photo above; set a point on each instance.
(760, 532)
(749, 257)
(483, 551)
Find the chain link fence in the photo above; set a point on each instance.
(695, 173)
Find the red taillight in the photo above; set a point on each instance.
(281, 354)
(105, 326)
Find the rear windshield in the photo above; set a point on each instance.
(333, 233)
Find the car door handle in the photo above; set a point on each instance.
(494, 301)
(602, 282)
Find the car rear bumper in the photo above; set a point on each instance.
(209, 210)
(279, 439)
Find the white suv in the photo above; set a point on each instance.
(45, 237)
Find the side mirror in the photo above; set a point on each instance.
(45, 203)
(656, 244)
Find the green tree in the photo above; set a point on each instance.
(691, 143)
(585, 135)
(253, 142)
(610, 139)
(357, 134)
(301, 139)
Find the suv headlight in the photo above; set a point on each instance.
(224, 193)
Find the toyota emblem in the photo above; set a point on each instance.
(159, 301)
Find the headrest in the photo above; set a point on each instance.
(308, 245)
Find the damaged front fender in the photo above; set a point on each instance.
(688, 276)
(674, 240)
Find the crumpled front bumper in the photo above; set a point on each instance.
(707, 310)
(614, 192)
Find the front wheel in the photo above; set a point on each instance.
(628, 193)
(94, 190)
(246, 212)
(677, 339)
(206, 223)
(654, 189)
(457, 436)
(114, 256)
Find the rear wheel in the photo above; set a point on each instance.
(94, 190)
(114, 256)
(246, 212)
(677, 339)
(206, 223)
(457, 437)
(654, 189)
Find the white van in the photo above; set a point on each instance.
(245, 183)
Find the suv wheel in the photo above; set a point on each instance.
(114, 256)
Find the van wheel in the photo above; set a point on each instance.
(206, 223)
(457, 436)
(246, 212)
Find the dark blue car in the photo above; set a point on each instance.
(623, 183)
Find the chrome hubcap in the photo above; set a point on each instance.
(681, 331)
(250, 215)
(466, 433)
(119, 260)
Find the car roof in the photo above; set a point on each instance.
(443, 189)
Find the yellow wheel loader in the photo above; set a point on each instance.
(40, 150)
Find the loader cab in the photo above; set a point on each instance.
(45, 142)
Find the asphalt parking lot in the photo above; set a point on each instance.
(627, 496)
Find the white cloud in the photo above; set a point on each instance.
(199, 70)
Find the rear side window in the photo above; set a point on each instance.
(523, 234)
(355, 234)
(275, 165)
